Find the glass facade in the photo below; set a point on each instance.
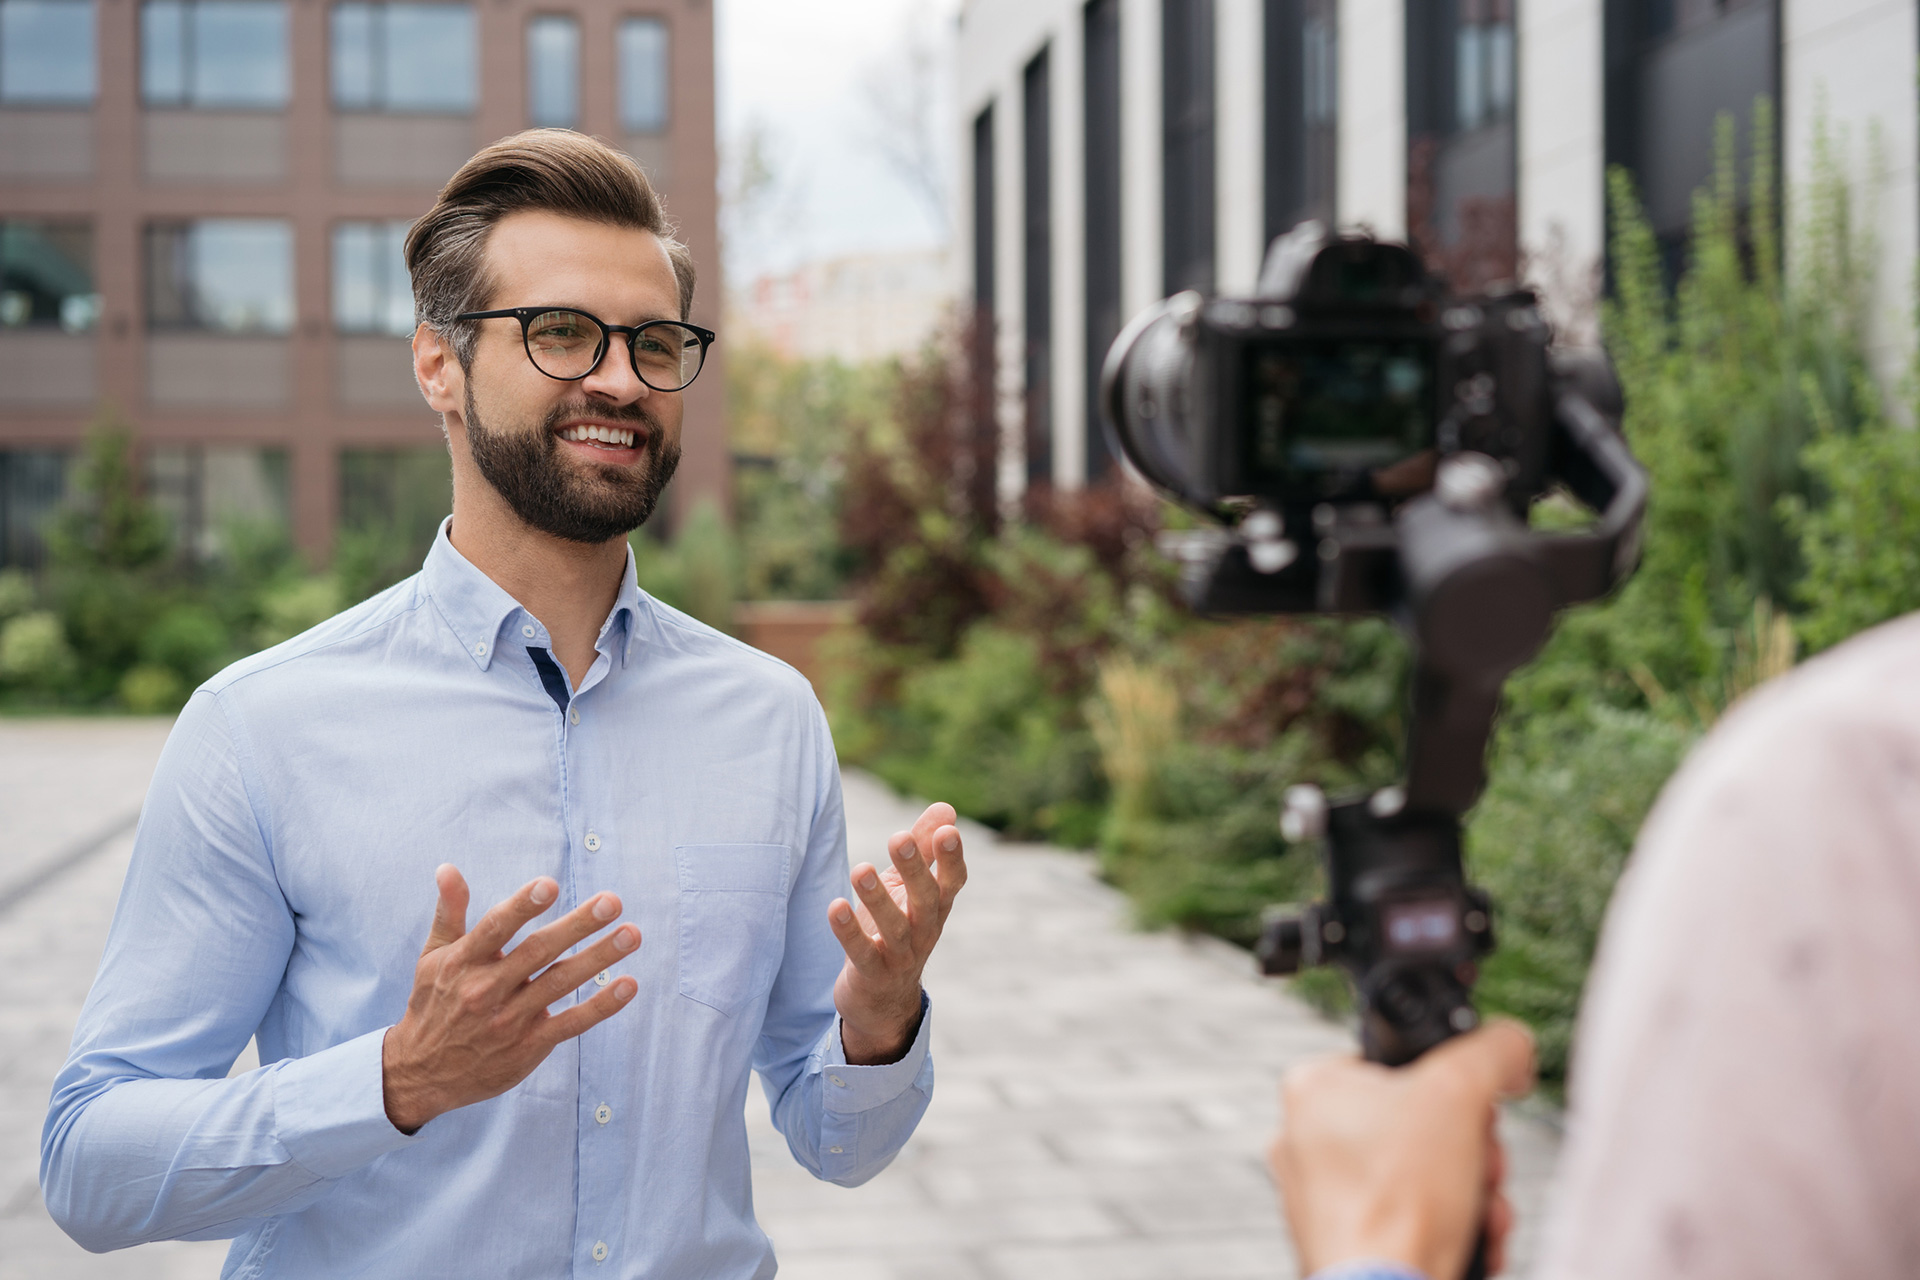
(1461, 142)
(46, 275)
(47, 52)
(33, 484)
(642, 54)
(214, 53)
(227, 275)
(1101, 84)
(553, 71)
(404, 57)
(1302, 109)
(372, 292)
(1187, 141)
(212, 496)
(1037, 264)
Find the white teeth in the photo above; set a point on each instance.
(619, 436)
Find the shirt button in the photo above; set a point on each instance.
(600, 1251)
(838, 1082)
(603, 1113)
(480, 650)
(573, 715)
(526, 629)
(592, 842)
(837, 1150)
(602, 978)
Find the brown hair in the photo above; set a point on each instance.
(553, 170)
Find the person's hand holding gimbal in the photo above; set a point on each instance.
(1400, 1164)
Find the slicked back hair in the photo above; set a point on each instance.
(549, 170)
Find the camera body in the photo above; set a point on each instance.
(1370, 443)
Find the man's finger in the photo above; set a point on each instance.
(950, 864)
(853, 939)
(932, 818)
(910, 857)
(503, 920)
(450, 911)
(548, 943)
(572, 973)
(569, 1023)
(1497, 1059)
(888, 920)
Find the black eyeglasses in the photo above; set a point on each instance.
(568, 344)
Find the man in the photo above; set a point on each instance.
(517, 724)
(1745, 1101)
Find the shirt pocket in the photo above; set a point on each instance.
(733, 921)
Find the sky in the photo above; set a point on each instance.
(796, 71)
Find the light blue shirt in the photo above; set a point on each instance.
(282, 886)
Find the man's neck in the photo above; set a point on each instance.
(569, 586)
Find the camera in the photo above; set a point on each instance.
(1369, 442)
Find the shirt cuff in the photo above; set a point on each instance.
(1368, 1269)
(853, 1089)
(330, 1108)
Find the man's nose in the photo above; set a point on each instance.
(614, 378)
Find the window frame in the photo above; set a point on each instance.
(621, 25)
(379, 98)
(92, 93)
(185, 99)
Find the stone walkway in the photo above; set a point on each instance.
(1104, 1095)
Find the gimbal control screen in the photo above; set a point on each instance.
(1327, 412)
(1432, 925)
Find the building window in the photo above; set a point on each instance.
(227, 275)
(1187, 195)
(1101, 82)
(404, 57)
(214, 53)
(1461, 146)
(1037, 222)
(391, 504)
(46, 52)
(1672, 68)
(215, 497)
(46, 275)
(372, 292)
(33, 484)
(1302, 112)
(643, 75)
(553, 71)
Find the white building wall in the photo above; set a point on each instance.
(1371, 181)
(1239, 156)
(1854, 62)
(1562, 158)
(1140, 154)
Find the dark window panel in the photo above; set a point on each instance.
(33, 484)
(1102, 114)
(391, 504)
(1302, 102)
(1188, 140)
(1037, 264)
(1461, 143)
(46, 275)
(984, 392)
(211, 495)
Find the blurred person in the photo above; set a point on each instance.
(1744, 1094)
(482, 1106)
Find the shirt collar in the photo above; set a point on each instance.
(476, 607)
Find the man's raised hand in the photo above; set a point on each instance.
(890, 934)
(477, 1021)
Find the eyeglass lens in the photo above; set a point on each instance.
(563, 344)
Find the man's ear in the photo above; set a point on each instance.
(437, 370)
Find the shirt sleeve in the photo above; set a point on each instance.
(146, 1137)
(843, 1123)
(1744, 1098)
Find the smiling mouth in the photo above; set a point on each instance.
(608, 437)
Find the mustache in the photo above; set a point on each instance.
(633, 413)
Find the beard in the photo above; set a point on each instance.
(608, 502)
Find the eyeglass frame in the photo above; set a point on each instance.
(525, 316)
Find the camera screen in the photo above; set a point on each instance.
(1433, 925)
(1327, 412)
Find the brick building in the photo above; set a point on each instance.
(201, 209)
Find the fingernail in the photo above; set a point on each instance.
(627, 939)
(909, 850)
(543, 891)
(869, 881)
(843, 913)
(950, 844)
(605, 908)
(624, 992)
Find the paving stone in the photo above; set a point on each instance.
(1104, 1096)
